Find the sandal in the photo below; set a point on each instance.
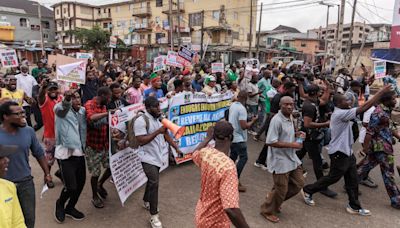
(97, 203)
(102, 192)
(271, 218)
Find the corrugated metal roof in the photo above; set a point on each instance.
(30, 7)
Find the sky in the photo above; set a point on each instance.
(301, 14)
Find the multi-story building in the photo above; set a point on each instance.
(374, 32)
(20, 23)
(146, 23)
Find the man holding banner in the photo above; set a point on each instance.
(151, 136)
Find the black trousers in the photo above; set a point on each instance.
(38, 116)
(73, 171)
(341, 166)
(28, 112)
(262, 157)
(151, 192)
(314, 151)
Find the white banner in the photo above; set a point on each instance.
(125, 163)
(380, 69)
(217, 67)
(197, 112)
(73, 72)
(82, 55)
(159, 63)
(172, 59)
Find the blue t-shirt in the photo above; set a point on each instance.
(238, 112)
(159, 93)
(196, 86)
(18, 167)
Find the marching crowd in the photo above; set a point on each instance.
(300, 110)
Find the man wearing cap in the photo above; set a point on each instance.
(155, 89)
(48, 98)
(14, 131)
(209, 87)
(11, 214)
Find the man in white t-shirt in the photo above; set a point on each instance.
(26, 82)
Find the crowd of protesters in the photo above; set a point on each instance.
(301, 110)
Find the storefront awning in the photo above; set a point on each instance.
(389, 55)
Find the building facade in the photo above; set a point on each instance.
(146, 23)
(20, 23)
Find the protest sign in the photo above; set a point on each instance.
(8, 58)
(172, 59)
(217, 67)
(380, 69)
(81, 55)
(186, 53)
(159, 63)
(197, 112)
(113, 42)
(72, 72)
(125, 162)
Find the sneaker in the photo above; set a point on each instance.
(58, 174)
(242, 188)
(155, 221)
(59, 213)
(307, 198)
(329, 193)
(256, 138)
(74, 214)
(252, 132)
(362, 212)
(259, 165)
(369, 183)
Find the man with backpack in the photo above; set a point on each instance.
(343, 80)
(151, 136)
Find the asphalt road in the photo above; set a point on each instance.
(179, 191)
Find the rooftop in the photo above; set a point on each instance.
(24, 7)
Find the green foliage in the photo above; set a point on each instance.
(95, 39)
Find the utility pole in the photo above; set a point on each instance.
(340, 33)
(326, 32)
(179, 23)
(259, 30)
(337, 28)
(364, 37)
(41, 29)
(202, 33)
(349, 43)
(251, 27)
(171, 25)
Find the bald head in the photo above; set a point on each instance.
(285, 99)
(287, 106)
(243, 95)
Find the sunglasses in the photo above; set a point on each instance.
(19, 114)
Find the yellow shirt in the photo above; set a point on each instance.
(10, 210)
(17, 95)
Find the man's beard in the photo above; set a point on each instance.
(15, 125)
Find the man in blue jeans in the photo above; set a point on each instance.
(14, 131)
(238, 119)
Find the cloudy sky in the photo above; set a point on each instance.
(302, 14)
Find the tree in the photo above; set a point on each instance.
(95, 39)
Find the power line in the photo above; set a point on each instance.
(376, 14)
(348, 2)
(377, 7)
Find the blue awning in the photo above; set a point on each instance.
(391, 55)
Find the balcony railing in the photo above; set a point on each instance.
(142, 12)
(143, 27)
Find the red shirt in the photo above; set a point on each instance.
(219, 188)
(47, 110)
(96, 136)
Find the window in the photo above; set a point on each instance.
(65, 23)
(65, 10)
(86, 23)
(59, 24)
(86, 10)
(46, 24)
(45, 35)
(99, 11)
(159, 36)
(104, 10)
(235, 15)
(235, 35)
(23, 22)
(105, 25)
(159, 3)
(303, 44)
(195, 19)
(57, 11)
(35, 27)
(215, 14)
